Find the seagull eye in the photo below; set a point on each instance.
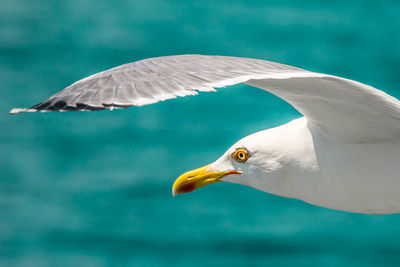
(241, 155)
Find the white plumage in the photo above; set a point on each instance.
(343, 154)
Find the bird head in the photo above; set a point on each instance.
(248, 162)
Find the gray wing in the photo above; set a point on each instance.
(332, 105)
(156, 79)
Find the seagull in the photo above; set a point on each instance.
(343, 154)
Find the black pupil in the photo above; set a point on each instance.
(241, 155)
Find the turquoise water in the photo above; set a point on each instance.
(94, 189)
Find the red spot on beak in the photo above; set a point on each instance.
(186, 188)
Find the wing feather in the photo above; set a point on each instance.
(333, 106)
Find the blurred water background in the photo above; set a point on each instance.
(94, 188)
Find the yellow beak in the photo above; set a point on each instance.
(194, 179)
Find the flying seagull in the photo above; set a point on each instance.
(343, 154)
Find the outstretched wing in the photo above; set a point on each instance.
(332, 105)
(151, 80)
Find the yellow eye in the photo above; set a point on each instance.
(241, 154)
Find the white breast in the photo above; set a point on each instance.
(358, 177)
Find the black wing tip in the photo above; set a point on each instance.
(79, 107)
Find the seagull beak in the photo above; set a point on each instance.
(194, 179)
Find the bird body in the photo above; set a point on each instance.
(299, 163)
(343, 154)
